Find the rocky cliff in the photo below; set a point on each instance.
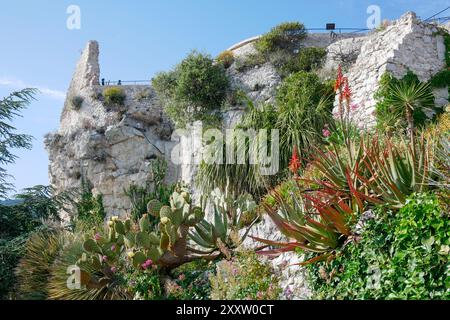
(113, 147)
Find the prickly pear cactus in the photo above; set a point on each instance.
(142, 245)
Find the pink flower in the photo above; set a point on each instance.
(147, 264)
(113, 247)
(354, 107)
(113, 269)
(181, 277)
(104, 258)
(97, 236)
(326, 132)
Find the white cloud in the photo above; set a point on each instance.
(19, 84)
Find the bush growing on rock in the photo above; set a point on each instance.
(114, 96)
(308, 59)
(193, 90)
(282, 37)
(226, 58)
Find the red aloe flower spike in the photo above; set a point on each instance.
(347, 93)
(339, 79)
(294, 164)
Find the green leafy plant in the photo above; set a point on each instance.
(191, 281)
(146, 285)
(140, 196)
(285, 36)
(302, 113)
(244, 277)
(193, 90)
(89, 208)
(396, 256)
(10, 107)
(114, 96)
(228, 176)
(35, 207)
(308, 59)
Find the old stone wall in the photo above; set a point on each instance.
(406, 44)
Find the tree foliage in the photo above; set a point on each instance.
(10, 108)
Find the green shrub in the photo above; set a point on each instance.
(303, 111)
(10, 253)
(397, 256)
(146, 285)
(244, 278)
(18, 221)
(194, 89)
(140, 196)
(191, 281)
(308, 59)
(89, 209)
(229, 176)
(76, 102)
(226, 58)
(282, 37)
(114, 96)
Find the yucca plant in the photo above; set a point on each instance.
(57, 286)
(33, 270)
(229, 175)
(407, 96)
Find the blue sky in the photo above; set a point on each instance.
(138, 39)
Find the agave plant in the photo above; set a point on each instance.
(314, 221)
(229, 214)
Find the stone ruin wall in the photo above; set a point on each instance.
(406, 44)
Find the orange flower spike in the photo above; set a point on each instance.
(294, 164)
(347, 93)
(339, 79)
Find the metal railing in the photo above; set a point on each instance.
(340, 30)
(105, 82)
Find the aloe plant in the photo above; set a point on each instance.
(223, 233)
(313, 221)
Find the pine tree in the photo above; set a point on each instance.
(10, 108)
